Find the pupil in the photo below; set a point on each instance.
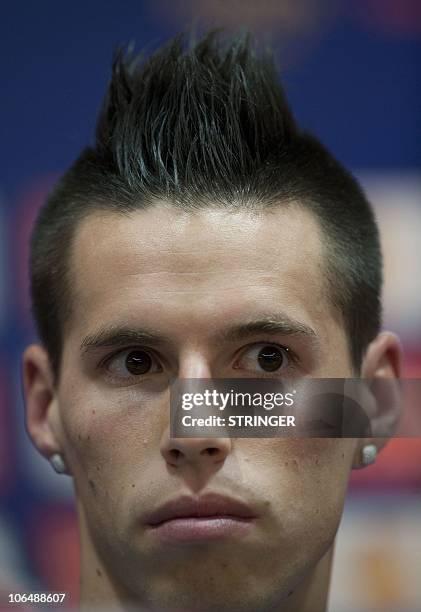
(270, 358)
(138, 362)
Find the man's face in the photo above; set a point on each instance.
(197, 290)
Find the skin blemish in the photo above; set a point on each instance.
(98, 572)
(92, 485)
(133, 486)
(93, 412)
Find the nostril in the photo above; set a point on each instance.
(175, 453)
(211, 451)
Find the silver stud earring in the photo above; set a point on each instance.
(368, 454)
(57, 463)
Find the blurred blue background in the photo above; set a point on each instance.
(352, 72)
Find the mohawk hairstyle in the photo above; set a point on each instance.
(206, 126)
(187, 123)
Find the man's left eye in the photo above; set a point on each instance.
(132, 362)
(264, 358)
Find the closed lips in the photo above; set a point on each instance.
(207, 506)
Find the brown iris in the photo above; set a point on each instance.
(138, 362)
(270, 358)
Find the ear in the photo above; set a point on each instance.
(382, 368)
(41, 400)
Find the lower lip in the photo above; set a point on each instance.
(195, 529)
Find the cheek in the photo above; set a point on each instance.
(303, 482)
(320, 468)
(303, 477)
(301, 455)
(108, 439)
(318, 453)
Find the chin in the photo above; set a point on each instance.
(222, 591)
(209, 602)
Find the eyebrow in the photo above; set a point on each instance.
(276, 324)
(123, 335)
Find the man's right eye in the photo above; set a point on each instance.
(132, 363)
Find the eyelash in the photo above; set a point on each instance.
(292, 356)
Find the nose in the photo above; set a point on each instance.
(201, 453)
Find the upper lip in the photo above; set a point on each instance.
(205, 506)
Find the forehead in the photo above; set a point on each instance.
(162, 263)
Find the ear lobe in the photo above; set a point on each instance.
(382, 369)
(40, 399)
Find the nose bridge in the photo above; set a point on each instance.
(194, 362)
